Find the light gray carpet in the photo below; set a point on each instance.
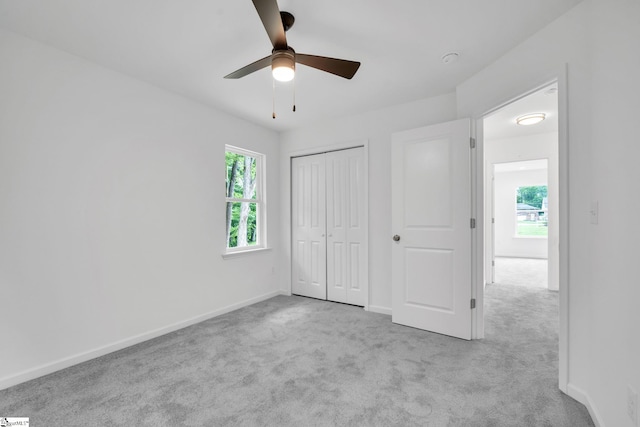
(529, 272)
(293, 361)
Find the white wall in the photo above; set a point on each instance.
(111, 210)
(375, 127)
(614, 336)
(507, 242)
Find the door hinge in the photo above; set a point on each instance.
(493, 220)
(473, 223)
(473, 303)
(472, 142)
(493, 263)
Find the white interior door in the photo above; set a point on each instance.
(308, 222)
(346, 227)
(431, 215)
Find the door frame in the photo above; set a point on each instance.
(478, 173)
(364, 143)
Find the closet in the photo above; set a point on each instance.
(329, 251)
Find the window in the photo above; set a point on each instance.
(532, 211)
(245, 216)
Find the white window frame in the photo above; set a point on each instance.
(260, 201)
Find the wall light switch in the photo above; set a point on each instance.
(594, 212)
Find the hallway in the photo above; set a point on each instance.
(528, 272)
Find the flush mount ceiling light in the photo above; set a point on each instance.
(530, 119)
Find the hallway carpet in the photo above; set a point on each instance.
(293, 361)
(529, 272)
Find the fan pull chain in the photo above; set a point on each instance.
(294, 95)
(273, 98)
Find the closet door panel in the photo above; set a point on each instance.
(357, 230)
(308, 226)
(346, 226)
(337, 261)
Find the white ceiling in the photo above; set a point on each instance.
(188, 46)
(502, 123)
(525, 165)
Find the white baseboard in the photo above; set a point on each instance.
(57, 365)
(381, 310)
(583, 397)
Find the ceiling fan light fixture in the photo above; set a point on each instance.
(283, 66)
(530, 119)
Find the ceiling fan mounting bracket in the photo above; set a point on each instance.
(287, 20)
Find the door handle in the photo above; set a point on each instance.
(396, 238)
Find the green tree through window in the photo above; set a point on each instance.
(533, 196)
(532, 211)
(243, 198)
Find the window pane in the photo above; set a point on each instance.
(243, 182)
(241, 224)
(532, 210)
(241, 176)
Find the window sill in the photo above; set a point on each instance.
(530, 237)
(230, 255)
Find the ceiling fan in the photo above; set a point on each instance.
(283, 58)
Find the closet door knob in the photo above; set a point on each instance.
(396, 238)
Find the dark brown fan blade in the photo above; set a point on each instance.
(270, 15)
(259, 64)
(339, 67)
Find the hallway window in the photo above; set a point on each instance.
(245, 213)
(532, 211)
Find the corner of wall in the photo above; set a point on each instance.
(583, 397)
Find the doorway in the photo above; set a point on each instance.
(521, 164)
(557, 84)
(501, 144)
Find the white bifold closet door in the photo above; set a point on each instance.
(329, 226)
